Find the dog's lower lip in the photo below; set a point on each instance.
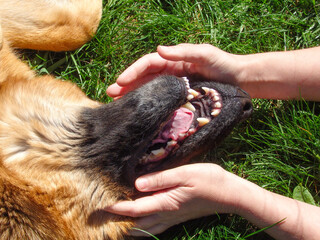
(203, 115)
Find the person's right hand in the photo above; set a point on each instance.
(181, 60)
(180, 194)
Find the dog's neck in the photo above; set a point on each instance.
(40, 145)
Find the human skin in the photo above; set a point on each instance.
(202, 189)
(198, 190)
(274, 75)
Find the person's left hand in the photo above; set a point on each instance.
(183, 193)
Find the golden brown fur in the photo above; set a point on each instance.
(64, 157)
(57, 25)
(39, 197)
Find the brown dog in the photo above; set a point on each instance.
(64, 157)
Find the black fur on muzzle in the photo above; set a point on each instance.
(161, 125)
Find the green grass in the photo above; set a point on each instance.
(278, 148)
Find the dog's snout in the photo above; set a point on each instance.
(242, 93)
(246, 103)
(247, 108)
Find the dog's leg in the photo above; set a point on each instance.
(12, 68)
(56, 25)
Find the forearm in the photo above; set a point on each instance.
(282, 75)
(263, 208)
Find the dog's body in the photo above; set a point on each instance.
(64, 157)
(57, 25)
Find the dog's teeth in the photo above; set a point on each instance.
(158, 152)
(207, 90)
(218, 105)
(214, 93)
(216, 97)
(191, 131)
(193, 92)
(203, 121)
(182, 136)
(172, 143)
(189, 106)
(185, 79)
(215, 112)
(190, 96)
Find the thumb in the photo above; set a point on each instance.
(160, 180)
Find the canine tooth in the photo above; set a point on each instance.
(158, 152)
(218, 105)
(207, 90)
(193, 92)
(215, 112)
(189, 106)
(203, 121)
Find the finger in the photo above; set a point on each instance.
(141, 207)
(115, 90)
(149, 64)
(174, 68)
(161, 180)
(193, 53)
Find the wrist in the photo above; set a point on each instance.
(249, 76)
(230, 193)
(244, 196)
(269, 75)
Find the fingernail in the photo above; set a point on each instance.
(141, 183)
(165, 48)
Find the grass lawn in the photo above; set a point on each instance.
(278, 148)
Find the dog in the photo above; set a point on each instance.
(65, 157)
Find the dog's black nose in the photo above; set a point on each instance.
(246, 103)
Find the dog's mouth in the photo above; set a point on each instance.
(201, 107)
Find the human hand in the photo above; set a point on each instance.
(184, 193)
(180, 60)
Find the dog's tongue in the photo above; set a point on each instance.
(179, 124)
